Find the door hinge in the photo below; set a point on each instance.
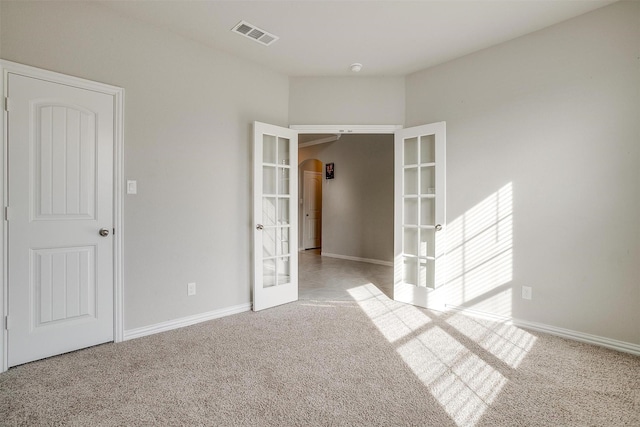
(6, 322)
(6, 103)
(6, 213)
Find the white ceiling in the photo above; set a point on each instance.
(322, 38)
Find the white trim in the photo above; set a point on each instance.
(7, 67)
(338, 129)
(4, 309)
(618, 345)
(185, 321)
(355, 258)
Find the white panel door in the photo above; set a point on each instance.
(419, 202)
(275, 213)
(312, 196)
(60, 195)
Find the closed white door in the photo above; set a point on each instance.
(312, 196)
(60, 218)
(275, 213)
(419, 201)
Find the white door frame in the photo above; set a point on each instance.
(346, 129)
(7, 67)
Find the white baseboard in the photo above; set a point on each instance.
(184, 321)
(618, 345)
(354, 258)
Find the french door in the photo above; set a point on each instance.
(275, 214)
(419, 219)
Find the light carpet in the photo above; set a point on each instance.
(366, 361)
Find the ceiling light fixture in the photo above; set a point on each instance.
(356, 67)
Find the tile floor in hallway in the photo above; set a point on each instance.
(324, 278)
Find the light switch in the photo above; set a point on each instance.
(132, 187)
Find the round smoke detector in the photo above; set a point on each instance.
(356, 67)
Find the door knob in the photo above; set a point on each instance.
(104, 232)
(259, 227)
(438, 227)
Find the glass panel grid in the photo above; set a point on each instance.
(276, 211)
(419, 188)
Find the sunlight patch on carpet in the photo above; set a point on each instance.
(506, 342)
(393, 320)
(461, 380)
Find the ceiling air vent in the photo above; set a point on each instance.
(254, 33)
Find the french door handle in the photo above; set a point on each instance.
(438, 227)
(259, 227)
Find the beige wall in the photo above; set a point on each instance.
(346, 100)
(357, 206)
(188, 120)
(552, 120)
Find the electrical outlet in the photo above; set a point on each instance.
(526, 292)
(191, 289)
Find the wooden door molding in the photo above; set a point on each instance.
(6, 68)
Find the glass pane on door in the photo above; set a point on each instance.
(411, 241)
(428, 211)
(269, 242)
(268, 273)
(268, 211)
(411, 212)
(269, 180)
(427, 180)
(283, 243)
(411, 181)
(269, 149)
(283, 151)
(284, 271)
(411, 151)
(283, 180)
(427, 149)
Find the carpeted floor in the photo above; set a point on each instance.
(365, 361)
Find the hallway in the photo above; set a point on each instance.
(324, 278)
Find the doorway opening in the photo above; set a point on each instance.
(352, 212)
